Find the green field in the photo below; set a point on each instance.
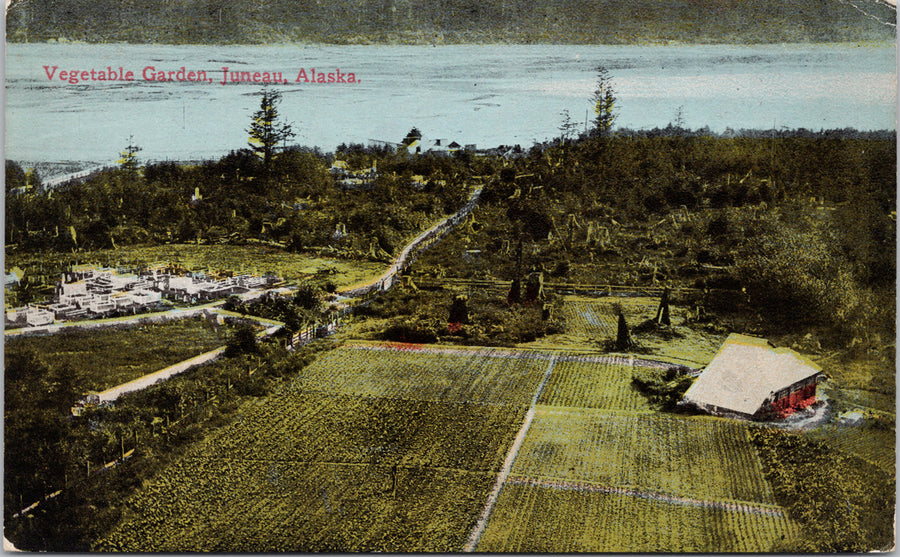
(604, 386)
(222, 505)
(108, 357)
(590, 317)
(701, 458)
(535, 519)
(475, 377)
(592, 322)
(875, 445)
(358, 430)
(365, 451)
(395, 447)
(599, 471)
(596, 319)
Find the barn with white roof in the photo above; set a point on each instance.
(750, 378)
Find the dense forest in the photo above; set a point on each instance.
(799, 226)
(294, 204)
(450, 21)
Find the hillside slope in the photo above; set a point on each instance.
(450, 21)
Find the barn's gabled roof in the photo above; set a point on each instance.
(745, 372)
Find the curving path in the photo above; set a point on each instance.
(419, 244)
(422, 242)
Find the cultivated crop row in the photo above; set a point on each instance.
(321, 472)
(598, 385)
(537, 519)
(233, 505)
(469, 377)
(353, 429)
(872, 444)
(700, 458)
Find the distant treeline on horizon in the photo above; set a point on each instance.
(47, 169)
(450, 21)
(836, 133)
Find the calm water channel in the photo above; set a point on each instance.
(487, 95)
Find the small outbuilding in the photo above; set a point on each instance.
(752, 379)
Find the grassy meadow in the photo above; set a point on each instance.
(107, 357)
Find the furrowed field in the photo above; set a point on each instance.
(593, 321)
(589, 316)
(599, 471)
(421, 372)
(593, 385)
(560, 520)
(395, 447)
(373, 449)
(700, 458)
(623, 481)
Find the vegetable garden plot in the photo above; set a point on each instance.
(347, 429)
(473, 377)
(593, 385)
(315, 472)
(700, 458)
(234, 505)
(538, 519)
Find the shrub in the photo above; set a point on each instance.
(243, 341)
(662, 388)
(409, 331)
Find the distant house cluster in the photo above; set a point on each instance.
(93, 293)
(350, 178)
(438, 146)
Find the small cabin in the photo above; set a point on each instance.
(750, 378)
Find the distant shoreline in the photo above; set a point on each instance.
(53, 171)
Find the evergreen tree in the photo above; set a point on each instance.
(266, 132)
(623, 337)
(413, 136)
(129, 160)
(568, 129)
(604, 100)
(662, 312)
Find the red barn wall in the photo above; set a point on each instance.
(798, 398)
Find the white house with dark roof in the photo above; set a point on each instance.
(750, 378)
